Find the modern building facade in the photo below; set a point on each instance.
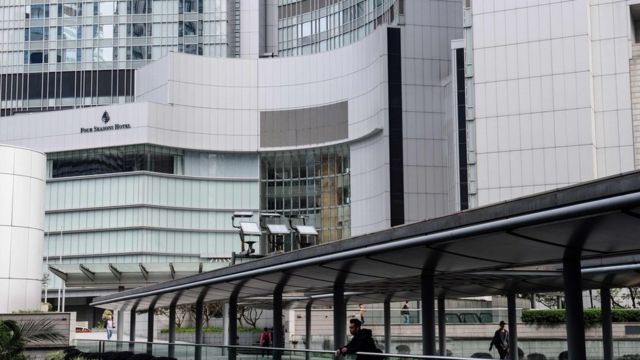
(353, 136)
(550, 95)
(22, 188)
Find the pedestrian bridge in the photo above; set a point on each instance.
(573, 239)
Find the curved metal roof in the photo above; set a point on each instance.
(515, 246)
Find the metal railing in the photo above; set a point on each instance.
(185, 351)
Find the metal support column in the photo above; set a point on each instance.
(428, 319)
(339, 315)
(278, 327)
(151, 311)
(513, 327)
(607, 331)
(574, 308)
(232, 315)
(199, 328)
(120, 328)
(387, 324)
(307, 329)
(172, 326)
(442, 327)
(132, 327)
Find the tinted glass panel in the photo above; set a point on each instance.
(39, 11)
(115, 160)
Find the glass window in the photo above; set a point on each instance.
(39, 11)
(69, 10)
(105, 8)
(139, 7)
(139, 52)
(36, 57)
(36, 34)
(115, 160)
(103, 54)
(103, 31)
(193, 49)
(185, 6)
(188, 28)
(69, 32)
(70, 55)
(139, 30)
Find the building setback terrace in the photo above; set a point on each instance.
(577, 238)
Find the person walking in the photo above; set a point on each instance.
(406, 314)
(362, 341)
(265, 340)
(109, 328)
(361, 311)
(501, 341)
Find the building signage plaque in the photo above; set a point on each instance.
(105, 119)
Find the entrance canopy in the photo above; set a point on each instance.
(511, 247)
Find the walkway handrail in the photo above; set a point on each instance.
(409, 356)
(381, 355)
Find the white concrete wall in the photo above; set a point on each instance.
(552, 94)
(22, 174)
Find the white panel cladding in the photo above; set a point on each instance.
(61, 130)
(611, 52)
(534, 113)
(21, 227)
(426, 68)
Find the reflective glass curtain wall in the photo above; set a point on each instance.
(313, 183)
(312, 26)
(67, 54)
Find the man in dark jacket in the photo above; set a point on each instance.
(501, 341)
(362, 341)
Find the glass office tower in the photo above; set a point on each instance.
(63, 54)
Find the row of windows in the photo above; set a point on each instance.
(107, 31)
(99, 54)
(313, 183)
(39, 33)
(107, 8)
(313, 31)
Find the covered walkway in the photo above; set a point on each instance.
(573, 239)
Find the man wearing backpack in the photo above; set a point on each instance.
(406, 315)
(362, 341)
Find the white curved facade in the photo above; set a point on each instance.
(362, 132)
(22, 187)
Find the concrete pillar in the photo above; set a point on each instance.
(442, 327)
(428, 320)
(607, 331)
(574, 308)
(307, 328)
(339, 315)
(387, 324)
(513, 327)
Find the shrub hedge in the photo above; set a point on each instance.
(591, 316)
(211, 329)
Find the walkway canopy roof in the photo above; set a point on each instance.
(515, 246)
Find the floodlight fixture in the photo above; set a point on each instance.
(306, 230)
(247, 228)
(278, 229)
(305, 233)
(240, 214)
